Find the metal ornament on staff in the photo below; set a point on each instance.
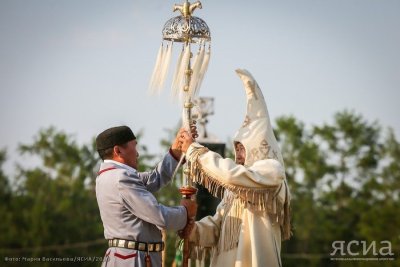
(188, 30)
(186, 81)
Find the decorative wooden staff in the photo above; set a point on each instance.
(188, 30)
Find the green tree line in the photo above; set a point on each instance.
(344, 178)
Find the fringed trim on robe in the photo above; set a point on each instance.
(200, 253)
(233, 221)
(255, 199)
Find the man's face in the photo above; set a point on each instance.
(240, 153)
(129, 154)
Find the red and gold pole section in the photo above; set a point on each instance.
(188, 192)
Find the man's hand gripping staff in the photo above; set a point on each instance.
(187, 192)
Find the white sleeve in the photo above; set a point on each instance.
(207, 230)
(262, 174)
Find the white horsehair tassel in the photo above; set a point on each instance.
(182, 68)
(204, 68)
(175, 87)
(156, 71)
(165, 66)
(195, 64)
(196, 70)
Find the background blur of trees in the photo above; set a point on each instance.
(344, 178)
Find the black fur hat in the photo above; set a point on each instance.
(114, 136)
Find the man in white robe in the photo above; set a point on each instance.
(253, 216)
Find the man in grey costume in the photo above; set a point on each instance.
(132, 217)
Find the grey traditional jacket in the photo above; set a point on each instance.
(129, 210)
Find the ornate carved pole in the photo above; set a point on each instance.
(186, 29)
(187, 190)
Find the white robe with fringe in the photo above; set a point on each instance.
(253, 214)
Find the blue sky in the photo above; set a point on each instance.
(84, 66)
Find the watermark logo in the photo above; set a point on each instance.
(356, 250)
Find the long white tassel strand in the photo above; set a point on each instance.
(182, 69)
(196, 70)
(175, 87)
(156, 71)
(195, 66)
(165, 66)
(204, 68)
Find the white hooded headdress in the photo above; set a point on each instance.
(256, 132)
(259, 186)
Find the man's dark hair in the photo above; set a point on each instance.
(106, 153)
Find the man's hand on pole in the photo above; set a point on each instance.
(176, 147)
(186, 138)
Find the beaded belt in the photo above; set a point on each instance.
(141, 246)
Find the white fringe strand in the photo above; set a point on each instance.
(203, 69)
(153, 86)
(175, 86)
(181, 73)
(198, 62)
(165, 66)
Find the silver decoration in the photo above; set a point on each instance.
(177, 29)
